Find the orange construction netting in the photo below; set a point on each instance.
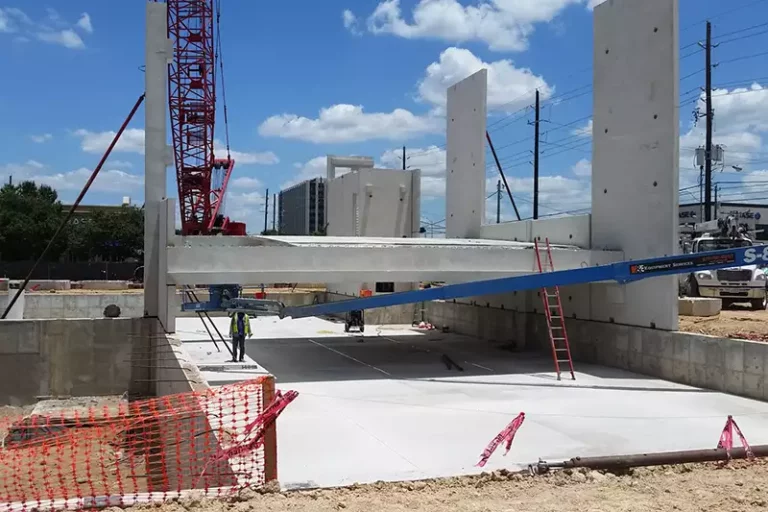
(213, 443)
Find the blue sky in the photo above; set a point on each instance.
(75, 74)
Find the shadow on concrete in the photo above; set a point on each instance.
(443, 356)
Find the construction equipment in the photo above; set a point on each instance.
(553, 311)
(354, 319)
(193, 26)
(622, 272)
(746, 283)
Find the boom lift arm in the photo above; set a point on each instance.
(227, 297)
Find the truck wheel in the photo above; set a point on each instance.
(757, 304)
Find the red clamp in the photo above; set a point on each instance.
(508, 435)
(726, 439)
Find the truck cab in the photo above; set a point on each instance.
(745, 284)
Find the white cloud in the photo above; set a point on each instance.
(509, 87)
(557, 194)
(131, 141)
(120, 164)
(53, 29)
(584, 131)
(313, 168)
(245, 158)
(741, 119)
(244, 182)
(504, 25)
(111, 180)
(591, 4)
(431, 161)
(582, 168)
(85, 23)
(248, 207)
(67, 38)
(349, 123)
(350, 22)
(13, 20)
(44, 137)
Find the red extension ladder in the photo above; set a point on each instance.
(553, 310)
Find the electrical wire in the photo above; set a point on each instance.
(744, 57)
(721, 14)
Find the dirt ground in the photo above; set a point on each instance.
(740, 487)
(731, 323)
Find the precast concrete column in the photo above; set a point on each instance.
(158, 52)
(635, 153)
(465, 152)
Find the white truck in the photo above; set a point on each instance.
(746, 284)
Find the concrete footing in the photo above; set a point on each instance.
(699, 306)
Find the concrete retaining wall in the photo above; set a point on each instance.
(72, 358)
(733, 366)
(174, 370)
(71, 305)
(401, 314)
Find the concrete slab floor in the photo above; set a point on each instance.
(383, 406)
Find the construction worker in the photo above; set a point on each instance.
(239, 328)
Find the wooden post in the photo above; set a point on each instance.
(270, 436)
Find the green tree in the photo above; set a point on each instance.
(109, 235)
(29, 216)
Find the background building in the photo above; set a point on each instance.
(301, 208)
(754, 215)
(369, 202)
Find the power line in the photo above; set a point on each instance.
(745, 57)
(721, 14)
(747, 36)
(739, 31)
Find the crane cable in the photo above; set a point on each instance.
(219, 58)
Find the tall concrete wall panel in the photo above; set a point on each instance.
(635, 153)
(465, 172)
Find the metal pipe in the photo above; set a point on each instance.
(614, 462)
(74, 206)
(203, 316)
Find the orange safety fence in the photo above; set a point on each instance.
(210, 443)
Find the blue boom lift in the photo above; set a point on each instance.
(228, 297)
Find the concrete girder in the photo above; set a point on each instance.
(393, 263)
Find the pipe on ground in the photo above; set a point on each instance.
(617, 462)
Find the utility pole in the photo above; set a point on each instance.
(709, 116)
(403, 157)
(274, 210)
(536, 160)
(266, 210)
(717, 185)
(498, 202)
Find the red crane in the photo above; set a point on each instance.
(193, 26)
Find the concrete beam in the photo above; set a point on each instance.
(271, 264)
